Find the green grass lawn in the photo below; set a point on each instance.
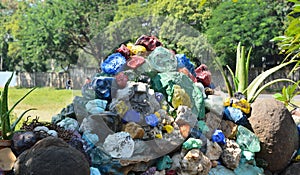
(47, 101)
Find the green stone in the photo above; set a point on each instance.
(247, 140)
(164, 163)
(164, 82)
(202, 126)
(192, 143)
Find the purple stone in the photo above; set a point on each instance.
(152, 120)
(159, 96)
(131, 116)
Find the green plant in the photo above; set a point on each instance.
(240, 78)
(7, 128)
(287, 94)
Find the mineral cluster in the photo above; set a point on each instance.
(151, 111)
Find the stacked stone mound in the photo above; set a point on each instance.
(151, 112)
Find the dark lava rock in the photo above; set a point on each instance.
(277, 132)
(292, 169)
(51, 156)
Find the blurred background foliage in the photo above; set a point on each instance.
(50, 35)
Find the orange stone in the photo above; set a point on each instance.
(185, 130)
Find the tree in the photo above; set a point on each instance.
(7, 10)
(289, 43)
(253, 23)
(57, 30)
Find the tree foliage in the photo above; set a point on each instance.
(55, 30)
(35, 33)
(253, 23)
(289, 43)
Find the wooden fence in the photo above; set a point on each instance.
(55, 79)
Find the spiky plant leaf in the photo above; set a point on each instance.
(13, 126)
(234, 78)
(227, 83)
(254, 85)
(253, 97)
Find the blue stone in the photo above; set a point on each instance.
(152, 120)
(113, 64)
(195, 133)
(96, 106)
(89, 139)
(102, 87)
(94, 171)
(104, 162)
(236, 115)
(183, 61)
(218, 137)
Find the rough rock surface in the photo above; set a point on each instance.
(52, 156)
(231, 154)
(195, 163)
(213, 122)
(214, 151)
(273, 125)
(292, 169)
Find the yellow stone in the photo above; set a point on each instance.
(297, 158)
(168, 128)
(164, 107)
(157, 114)
(121, 108)
(180, 97)
(135, 49)
(159, 136)
(241, 104)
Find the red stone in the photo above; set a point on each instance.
(187, 72)
(121, 80)
(135, 61)
(171, 172)
(124, 51)
(149, 42)
(203, 75)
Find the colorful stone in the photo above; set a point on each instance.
(184, 62)
(102, 87)
(121, 80)
(180, 97)
(203, 75)
(124, 51)
(135, 130)
(152, 120)
(218, 137)
(162, 60)
(192, 143)
(113, 64)
(149, 42)
(135, 61)
(164, 163)
(136, 49)
(121, 108)
(131, 116)
(168, 128)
